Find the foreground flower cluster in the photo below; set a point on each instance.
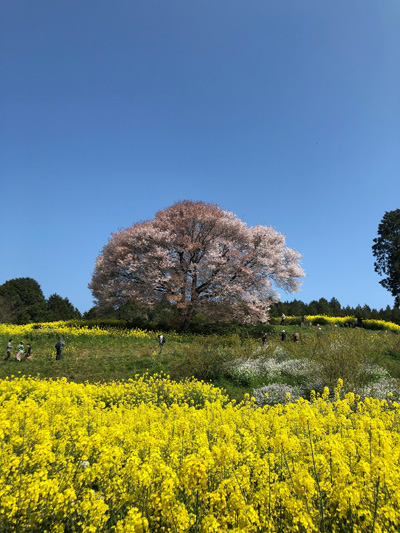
(153, 455)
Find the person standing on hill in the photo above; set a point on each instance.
(161, 341)
(9, 349)
(283, 319)
(283, 335)
(265, 339)
(20, 351)
(28, 353)
(59, 347)
(296, 336)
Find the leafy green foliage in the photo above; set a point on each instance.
(386, 251)
(61, 308)
(22, 301)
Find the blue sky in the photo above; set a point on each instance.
(284, 112)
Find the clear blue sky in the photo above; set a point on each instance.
(285, 112)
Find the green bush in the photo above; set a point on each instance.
(348, 357)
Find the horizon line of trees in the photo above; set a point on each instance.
(163, 314)
(22, 301)
(334, 308)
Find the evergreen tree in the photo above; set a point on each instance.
(313, 308)
(358, 311)
(323, 307)
(61, 308)
(296, 308)
(366, 312)
(335, 307)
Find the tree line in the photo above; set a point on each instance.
(22, 302)
(334, 308)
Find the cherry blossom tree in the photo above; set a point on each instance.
(202, 259)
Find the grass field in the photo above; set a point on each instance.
(238, 364)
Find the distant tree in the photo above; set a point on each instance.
(396, 315)
(335, 307)
(386, 314)
(93, 313)
(386, 251)
(366, 312)
(295, 308)
(61, 308)
(323, 307)
(277, 308)
(10, 307)
(347, 311)
(195, 255)
(26, 300)
(313, 308)
(358, 311)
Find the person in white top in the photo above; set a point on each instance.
(161, 341)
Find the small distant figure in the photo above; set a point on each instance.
(283, 319)
(359, 323)
(283, 335)
(102, 325)
(303, 321)
(161, 341)
(8, 351)
(28, 355)
(296, 336)
(319, 332)
(265, 339)
(59, 347)
(20, 351)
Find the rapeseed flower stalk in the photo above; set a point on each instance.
(154, 455)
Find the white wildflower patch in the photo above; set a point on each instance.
(245, 369)
(380, 389)
(276, 393)
(376, 373)
(304, 374)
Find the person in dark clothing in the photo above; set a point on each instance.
(283, 335)
(296, 336)
(265, 339)
(8, 352)
(28, 354)
(59, 347)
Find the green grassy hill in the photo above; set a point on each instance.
(362, 358)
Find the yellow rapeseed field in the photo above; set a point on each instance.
(62, 328)
(151, 455)
(368, 323)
